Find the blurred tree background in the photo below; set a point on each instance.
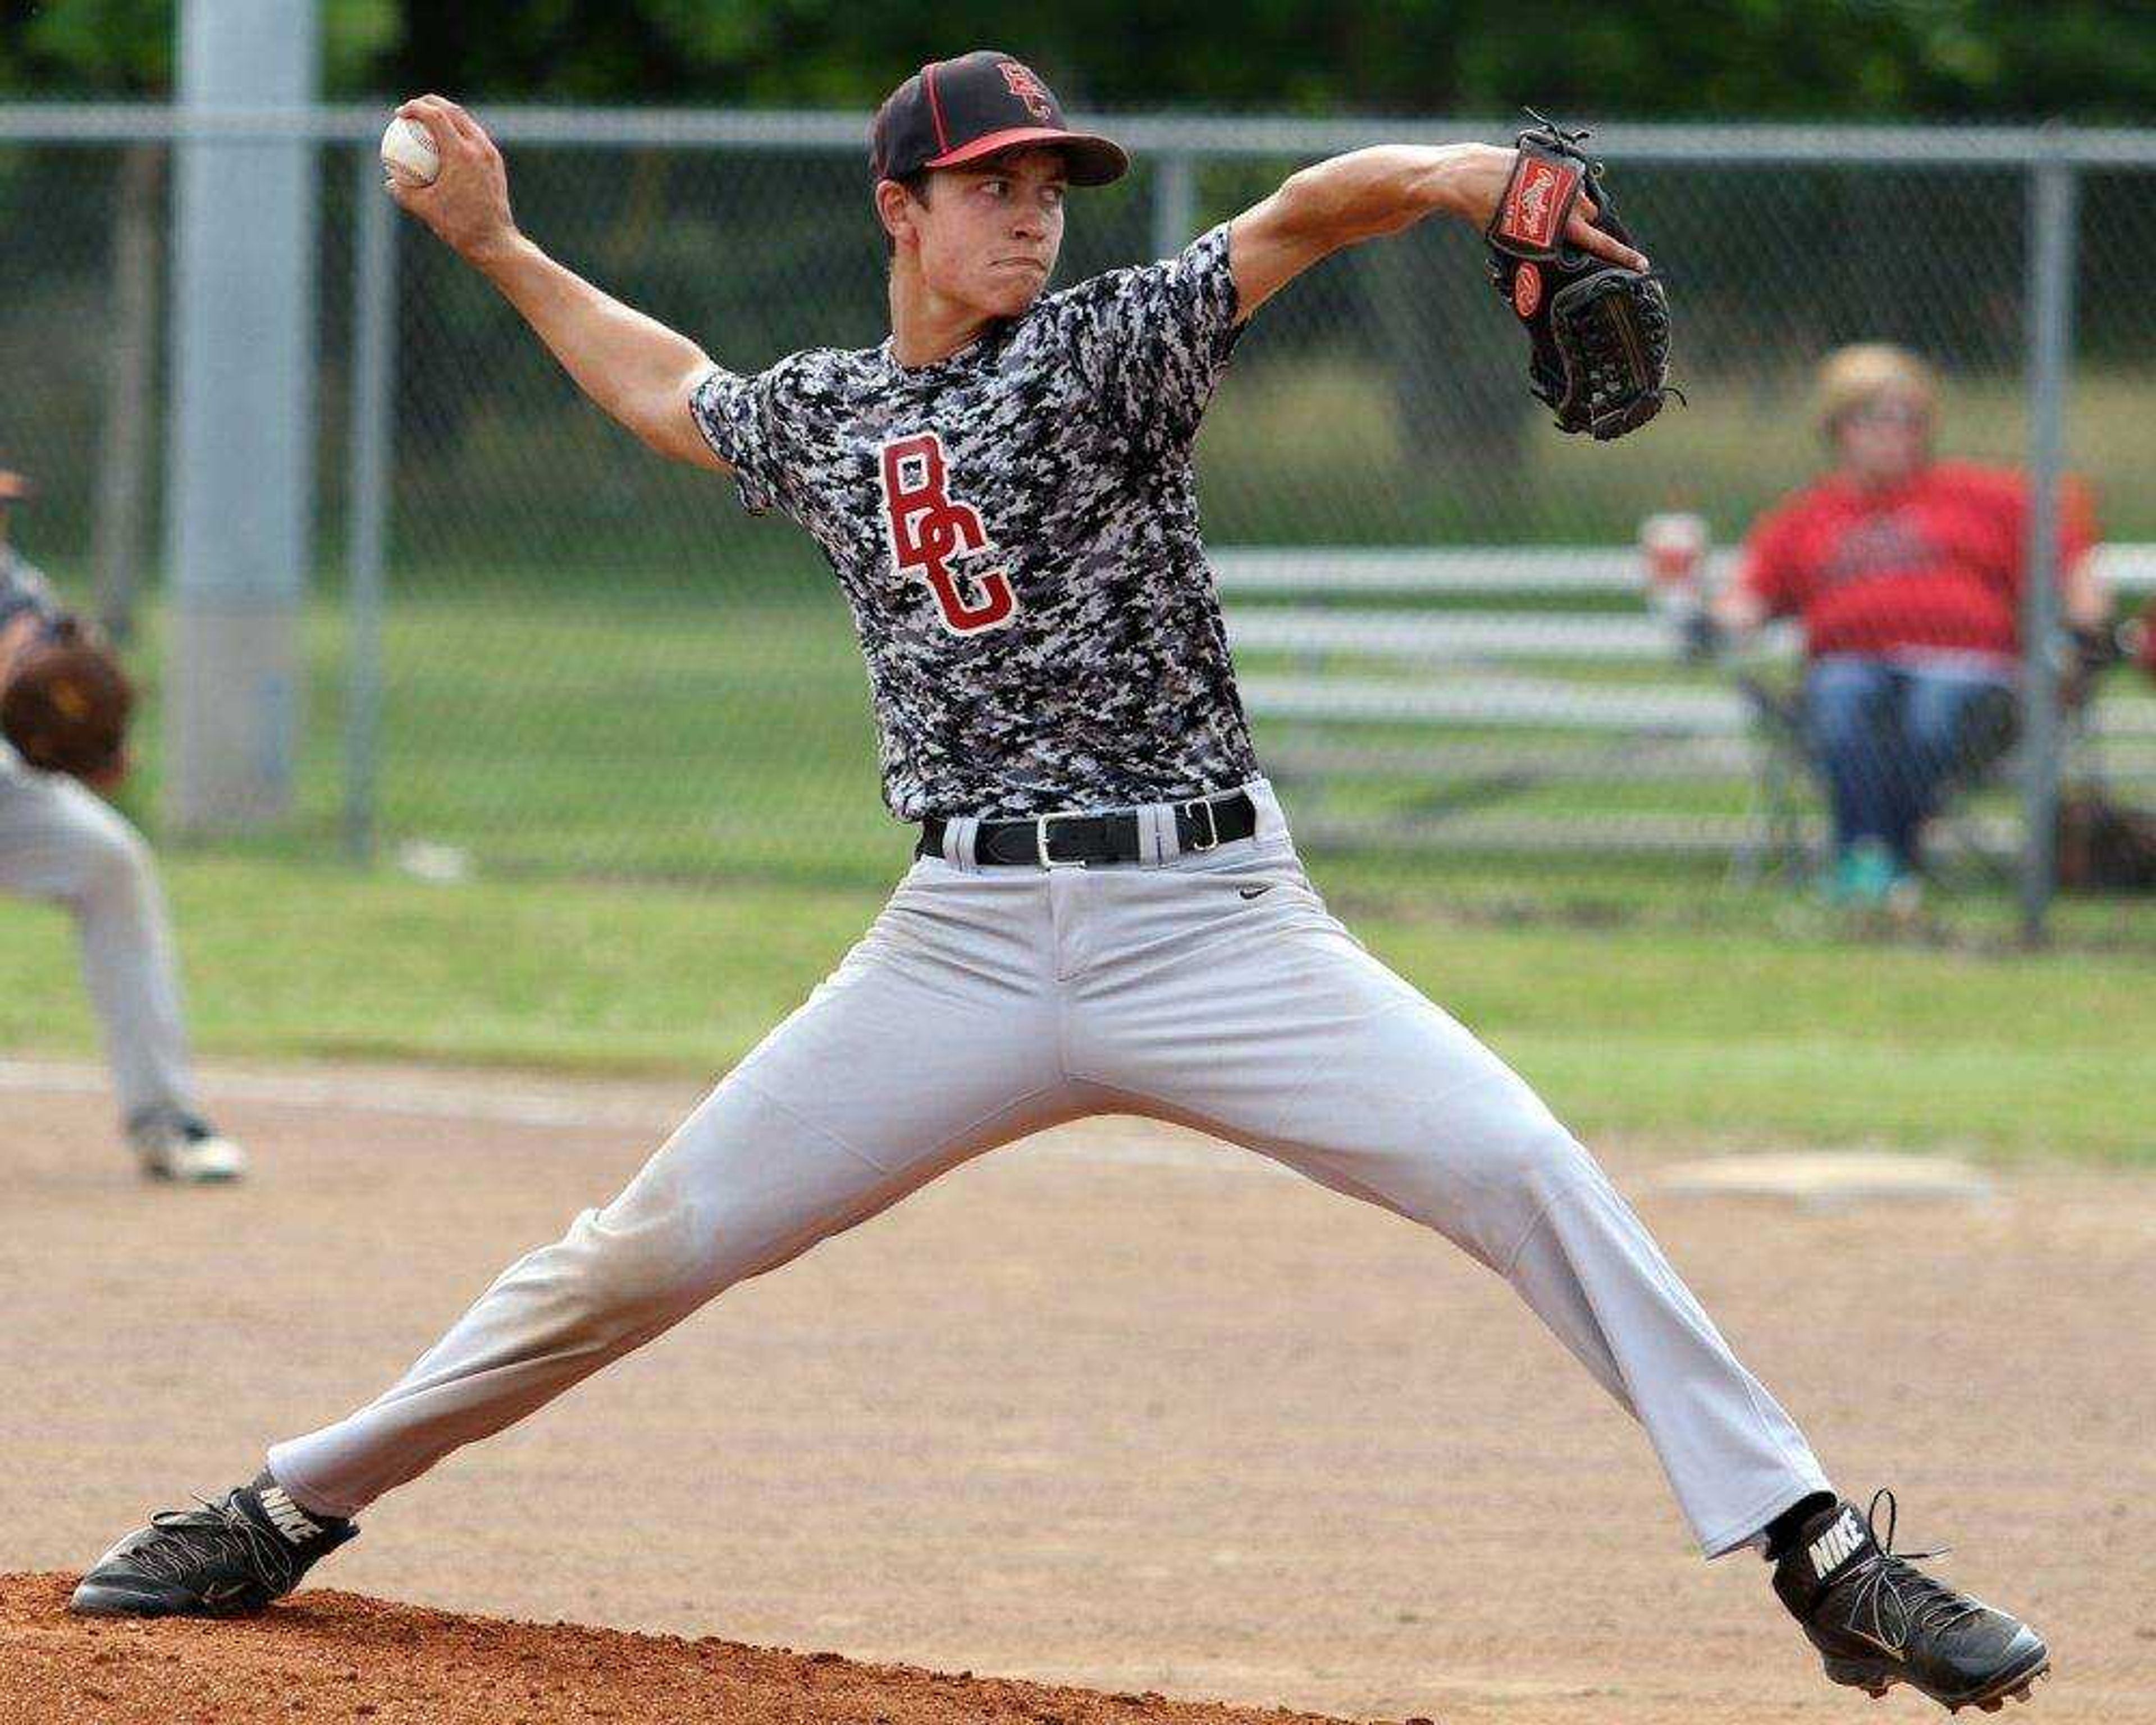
(2088, 61)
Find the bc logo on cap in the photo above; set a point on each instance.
(1027, 89)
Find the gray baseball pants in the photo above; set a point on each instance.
(1212, 989)
(60, 842)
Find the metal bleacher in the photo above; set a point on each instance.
(1408, 664)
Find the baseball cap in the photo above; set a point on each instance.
(15, 487)
(958, 111)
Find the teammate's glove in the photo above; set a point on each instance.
(1598, 336)
(66, 704)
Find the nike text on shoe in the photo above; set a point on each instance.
(221, 1559)
(188, 1149)
(1878, 1621)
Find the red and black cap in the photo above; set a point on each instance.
(956, 111)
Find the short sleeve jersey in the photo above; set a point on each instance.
(1015, 529)
(1933, 565)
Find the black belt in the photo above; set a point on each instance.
(1046, 840)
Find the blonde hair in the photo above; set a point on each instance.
(1850, 376)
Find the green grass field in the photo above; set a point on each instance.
(1666, 1023)
(614, 766)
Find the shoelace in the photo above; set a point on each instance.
(213, 1530)
(1549, 125)
(1925, 1603)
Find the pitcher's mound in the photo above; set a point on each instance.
(323, 1656)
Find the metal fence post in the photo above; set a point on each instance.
(373, 362)
(1174, 203)
(240, 406)
(2051, 219)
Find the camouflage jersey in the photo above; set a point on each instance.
(1015, 528)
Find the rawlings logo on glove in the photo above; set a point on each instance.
(1598, 336)
(1541, 191)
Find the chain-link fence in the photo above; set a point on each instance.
(532, 646)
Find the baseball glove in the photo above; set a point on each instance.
(66, 704)
(1598, 336)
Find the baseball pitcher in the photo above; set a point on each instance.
(1106, 912)
(63, 710)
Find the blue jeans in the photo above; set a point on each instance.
(1887, 736)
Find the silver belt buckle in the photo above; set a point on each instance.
(1212, 824)
(1041, 823)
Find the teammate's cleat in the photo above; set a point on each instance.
(186, 1148)
(221, 1559)
(1878, 1621)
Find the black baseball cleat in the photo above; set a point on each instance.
(222, 1559)
(1878, 1621)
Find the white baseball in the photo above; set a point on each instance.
(408, 153)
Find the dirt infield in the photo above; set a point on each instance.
(1118, 1409)
(336, 1655)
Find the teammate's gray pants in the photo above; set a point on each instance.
(1212, 989)
(61, 842)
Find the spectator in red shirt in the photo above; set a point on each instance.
(1907, 575)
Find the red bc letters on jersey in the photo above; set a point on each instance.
(929, 531)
